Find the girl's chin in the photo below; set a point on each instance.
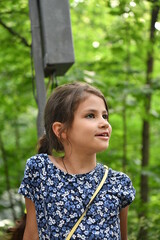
(103, 148)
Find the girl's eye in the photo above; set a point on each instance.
(105, 116)
(91, 115)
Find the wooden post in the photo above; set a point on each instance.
(38, 63)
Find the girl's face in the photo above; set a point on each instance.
(90, 131)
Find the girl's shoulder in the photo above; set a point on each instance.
(121, 185)
(118, 176)
(37, 161)
(38, 158)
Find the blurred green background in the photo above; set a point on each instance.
(117, 45)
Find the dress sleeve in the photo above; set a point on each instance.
(27, 187)
(127, 192)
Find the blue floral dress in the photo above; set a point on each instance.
(61, 198)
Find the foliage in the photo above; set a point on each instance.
(111, 41)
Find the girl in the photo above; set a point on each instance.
(58, 189)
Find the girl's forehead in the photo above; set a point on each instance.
(88, 95)
(92, 100)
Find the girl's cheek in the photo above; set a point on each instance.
(110, 128)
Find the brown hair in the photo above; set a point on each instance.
(17, 232)
(60, 107)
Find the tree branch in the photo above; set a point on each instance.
(11, 31)
(13, 12)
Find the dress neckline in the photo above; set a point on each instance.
(90, 173)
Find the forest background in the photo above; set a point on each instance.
(117, 46)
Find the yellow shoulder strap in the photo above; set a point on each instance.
(91, 200)
(25, 211)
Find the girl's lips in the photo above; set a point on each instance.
(104, 134)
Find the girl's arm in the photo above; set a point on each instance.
(31, 230)
(123, 223)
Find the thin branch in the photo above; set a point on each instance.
(13, 12)
(11, 31)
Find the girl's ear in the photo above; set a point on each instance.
(57, 127)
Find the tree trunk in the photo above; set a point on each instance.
(144, 188)
(124, 114)
(124, 161)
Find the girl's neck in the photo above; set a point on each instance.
(79, 164)
(74, 164)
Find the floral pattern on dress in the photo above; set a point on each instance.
(61, 198)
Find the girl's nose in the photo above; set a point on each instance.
(104, 123)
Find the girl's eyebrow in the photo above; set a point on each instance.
(94, 110)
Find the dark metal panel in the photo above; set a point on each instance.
(57, 44)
